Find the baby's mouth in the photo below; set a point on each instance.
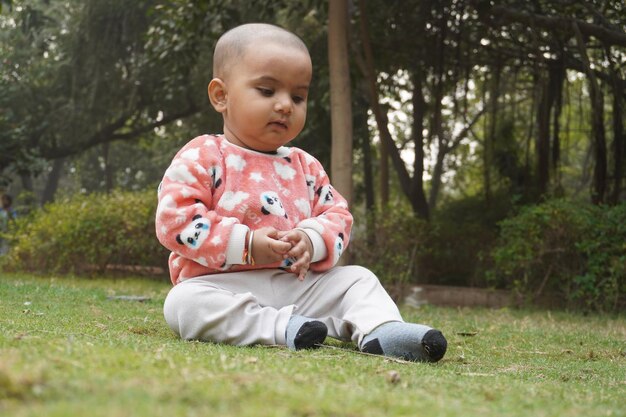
(279, 123)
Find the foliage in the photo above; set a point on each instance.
(86, 232)
(576, 250)
(447, 250)
(460, 233)
(69, 350)
(392, 246)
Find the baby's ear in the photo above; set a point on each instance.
(217, 94)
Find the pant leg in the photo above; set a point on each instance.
(198, 309)
(350, 300)
(254, 307)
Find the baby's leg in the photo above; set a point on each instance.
(352, 302)
(409, 341)
(197, 309)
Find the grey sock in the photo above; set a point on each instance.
(409, 341)
(305, 333)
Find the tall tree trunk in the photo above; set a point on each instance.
(487, 153)
(340, 98)
(619, 153)
(491, 136)
(368, 180)
(383, 173)
(529, 183)
(437, 118)
(380, 115)
(598, 189)
(557, 78)
(52, 182)
(369, 73)
(543, 138)
(435, 183)
(419, 112)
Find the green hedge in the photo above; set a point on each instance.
(575, 250)
(86, 233)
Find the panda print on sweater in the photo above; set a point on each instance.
(339, 245)
(325, 194)
(195, 233)
(216, 176)
(271, 204)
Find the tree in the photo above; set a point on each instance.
(340, 98)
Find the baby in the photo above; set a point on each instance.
(256, 228)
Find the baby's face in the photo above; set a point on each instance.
(266, 96)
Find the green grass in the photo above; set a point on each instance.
(66, 349)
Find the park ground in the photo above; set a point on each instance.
(89, 347)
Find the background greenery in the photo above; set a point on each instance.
(483, 132)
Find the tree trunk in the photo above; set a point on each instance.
(487, 153)
(543, 138)
(383, 173)
(419, 111)
(368, 180)
(491, 136)
(52, 182)
(340, 98)
(598, 189)
(619, 153)
(435, 183)
(380, 115)
(528, 185)
(557, 78)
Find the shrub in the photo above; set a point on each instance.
(445, 250)
(87, 232)
(460, 232)
(392, 246)
(577, 251)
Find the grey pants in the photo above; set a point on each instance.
(253, 307)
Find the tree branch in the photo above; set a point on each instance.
(608, 36)
(151, 126)
(107, 134)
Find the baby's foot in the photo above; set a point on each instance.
(305, 333)
(409, 341)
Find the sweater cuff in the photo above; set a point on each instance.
(319, 246)
(236, 245)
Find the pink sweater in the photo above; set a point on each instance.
(214, 192)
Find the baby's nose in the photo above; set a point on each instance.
(283, 104)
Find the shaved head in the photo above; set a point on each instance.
(232, 45)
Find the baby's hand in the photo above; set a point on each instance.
(301, 250)
(266, 248)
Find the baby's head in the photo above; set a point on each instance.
(231, 45)
(261, 77)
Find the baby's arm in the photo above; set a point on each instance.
(329, 222)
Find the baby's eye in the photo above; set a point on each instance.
(297, 99)
(266, 92)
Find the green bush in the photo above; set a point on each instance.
(392, 247)
(460, 232)
(444, 251)
(86, 233)
(577, 251)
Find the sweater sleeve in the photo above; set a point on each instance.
(186, 220)
(330, 222)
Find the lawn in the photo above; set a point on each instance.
(69, 347)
